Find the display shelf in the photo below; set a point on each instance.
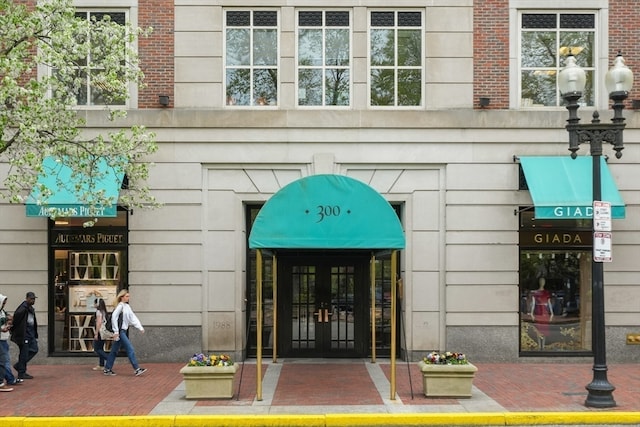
(94, 265)
(81, 332)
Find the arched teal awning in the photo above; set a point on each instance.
(327, 212)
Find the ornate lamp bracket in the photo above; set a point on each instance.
(595, 134)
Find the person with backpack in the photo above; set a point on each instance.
(121, 318)
(98, 338)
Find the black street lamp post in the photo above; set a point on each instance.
(619, 81)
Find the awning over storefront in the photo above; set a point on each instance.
(67, 189)
(561, 187)
(327, 212)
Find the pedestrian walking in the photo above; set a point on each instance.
(6, 322)
(98, 340)
(24, 333)
(7, 378)
(121, 318)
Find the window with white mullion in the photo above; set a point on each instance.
(251, 58)
(396, 58)
(91, 87)
(324, 58)
(546, 39)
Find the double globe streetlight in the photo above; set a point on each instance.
(618, 81)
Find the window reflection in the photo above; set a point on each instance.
(251, 64)
(396, 58)
(324, 53)
(546, 39)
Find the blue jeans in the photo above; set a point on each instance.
(27, 351)
(98, 348)
(6, 362)
(115, 348)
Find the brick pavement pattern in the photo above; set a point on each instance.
(76, 390)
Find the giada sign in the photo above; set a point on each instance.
(555, 238)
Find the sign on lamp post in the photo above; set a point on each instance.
(601, 231)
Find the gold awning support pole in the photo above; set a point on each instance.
(259, 325)
(275, 308)
(372, 272)
(393, 324)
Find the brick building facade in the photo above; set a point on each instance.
(263, 94)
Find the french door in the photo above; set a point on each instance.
(324, 305)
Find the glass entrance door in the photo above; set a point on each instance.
(324, 306)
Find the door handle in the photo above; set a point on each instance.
(323, 315)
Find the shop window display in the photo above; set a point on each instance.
(555, 285)
(555, 301)
(88, 264)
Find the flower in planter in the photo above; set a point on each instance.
(446, 358)
(201, 359)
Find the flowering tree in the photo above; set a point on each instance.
(52, 59)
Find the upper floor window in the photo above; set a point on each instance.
(545, 41)
(94, 86)
(251, 57)
(324, 58)
(396, 58)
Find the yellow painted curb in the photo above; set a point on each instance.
(12, 421)
(571, 418)
(432, 419)
(337, 420)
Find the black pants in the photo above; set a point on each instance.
(28, 350)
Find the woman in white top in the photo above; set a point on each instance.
(121, 318)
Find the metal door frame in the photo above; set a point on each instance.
(323, 263)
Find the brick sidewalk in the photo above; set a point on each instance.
(75, 390)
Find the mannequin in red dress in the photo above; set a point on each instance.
(541, 307)
(541, 302)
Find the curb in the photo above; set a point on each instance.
(336, 420)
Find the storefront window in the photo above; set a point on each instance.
(88, 263)
(555, 286)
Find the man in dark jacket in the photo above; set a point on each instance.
(25, 334)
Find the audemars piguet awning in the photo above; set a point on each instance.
(561, 187)
(62, 193)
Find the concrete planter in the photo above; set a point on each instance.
(447, 380)
(209, 382)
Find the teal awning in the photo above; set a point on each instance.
(561, 187)
(67, 190)
(327, 212)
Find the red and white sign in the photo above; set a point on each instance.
(601, 216)
(602, 246)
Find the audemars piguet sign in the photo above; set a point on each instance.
(87, 236)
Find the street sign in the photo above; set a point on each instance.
(601, 216)
(601, 246)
